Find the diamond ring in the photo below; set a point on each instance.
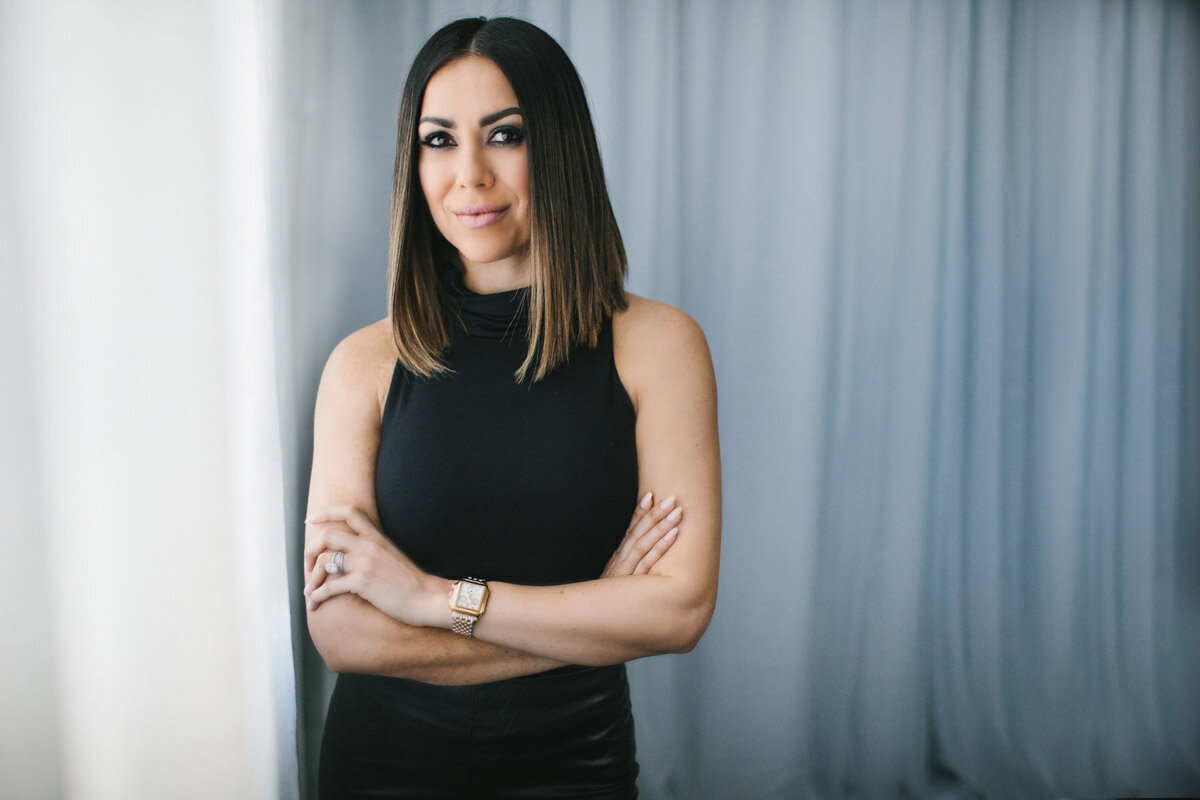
(334, 565)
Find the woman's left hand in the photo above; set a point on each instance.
(650, 534)
(371, 567)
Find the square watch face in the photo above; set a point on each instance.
(470, 596)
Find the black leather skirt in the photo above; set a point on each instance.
(563, 733)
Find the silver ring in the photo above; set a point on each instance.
(334, 565)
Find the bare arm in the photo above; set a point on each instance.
(665, 364)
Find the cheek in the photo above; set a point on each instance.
(518, 182)
(433, 191)
(427, 179)
(521, 180)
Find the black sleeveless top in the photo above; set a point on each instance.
(480, 476)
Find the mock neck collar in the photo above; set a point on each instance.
(492, 316)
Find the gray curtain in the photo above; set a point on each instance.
(946, 257)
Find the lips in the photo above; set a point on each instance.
(479, 216)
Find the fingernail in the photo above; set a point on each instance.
(670, 501)
(308, 520)
(675, 515)
(671, 534)
(646, 501)
(307, 591)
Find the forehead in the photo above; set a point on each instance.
(471, 86)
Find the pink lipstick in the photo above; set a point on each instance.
(479, 216)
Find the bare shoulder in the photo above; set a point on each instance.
(655, 342)
(646, 317)
(361, 365)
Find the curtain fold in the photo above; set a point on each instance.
(946, 258)
(146, 607)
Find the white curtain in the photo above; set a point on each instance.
(946, 257)
(145, 641)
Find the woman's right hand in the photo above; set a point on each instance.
(651, 533)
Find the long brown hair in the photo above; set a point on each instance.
(578, 258)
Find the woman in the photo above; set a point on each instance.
(471, 569)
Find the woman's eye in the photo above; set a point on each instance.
(508, 135)
(437, 140)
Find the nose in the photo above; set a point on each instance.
(473, 169)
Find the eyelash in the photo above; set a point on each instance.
(431, 140)
(440, 140)
(515, 131)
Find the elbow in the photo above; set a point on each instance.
(339, 657)
(337, 660)
(691, 625)
(332, 644)
(352, 636)
(328, 648)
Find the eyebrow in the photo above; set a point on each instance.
(483, 121)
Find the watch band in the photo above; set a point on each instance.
(463, 624)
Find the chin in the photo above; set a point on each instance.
(491, 255)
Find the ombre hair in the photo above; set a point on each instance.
(578, 258)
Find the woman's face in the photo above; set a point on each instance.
(474, 169)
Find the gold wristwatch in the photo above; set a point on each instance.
(468, 599)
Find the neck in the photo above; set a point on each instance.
(498, 276)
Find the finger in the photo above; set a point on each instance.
(618, 563)
(624, 548)
(656, 552)
(647, 518)
(313, 552)
(640, 510)
(652, 537)
(310, 556)
(321, 572)
(653, 517)
(312, 545)
(330, 514)
(342, 584)
(359, 522)
(329, 539)
(316, 576)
